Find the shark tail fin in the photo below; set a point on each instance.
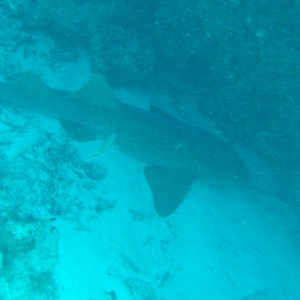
(96, 93)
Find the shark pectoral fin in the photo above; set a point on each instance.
(78, 132)
(168, 186)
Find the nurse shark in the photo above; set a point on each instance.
(174, 153)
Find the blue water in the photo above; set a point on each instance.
(77, 219)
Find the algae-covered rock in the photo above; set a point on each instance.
(28, 259)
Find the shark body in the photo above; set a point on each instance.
(175, 154)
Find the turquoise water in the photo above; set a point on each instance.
(174, 174)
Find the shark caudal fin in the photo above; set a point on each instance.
(168, 186)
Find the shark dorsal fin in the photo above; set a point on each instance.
(32, 78)
(96, 93)
(31, 84)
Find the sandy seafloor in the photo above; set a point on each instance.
(73, 227)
